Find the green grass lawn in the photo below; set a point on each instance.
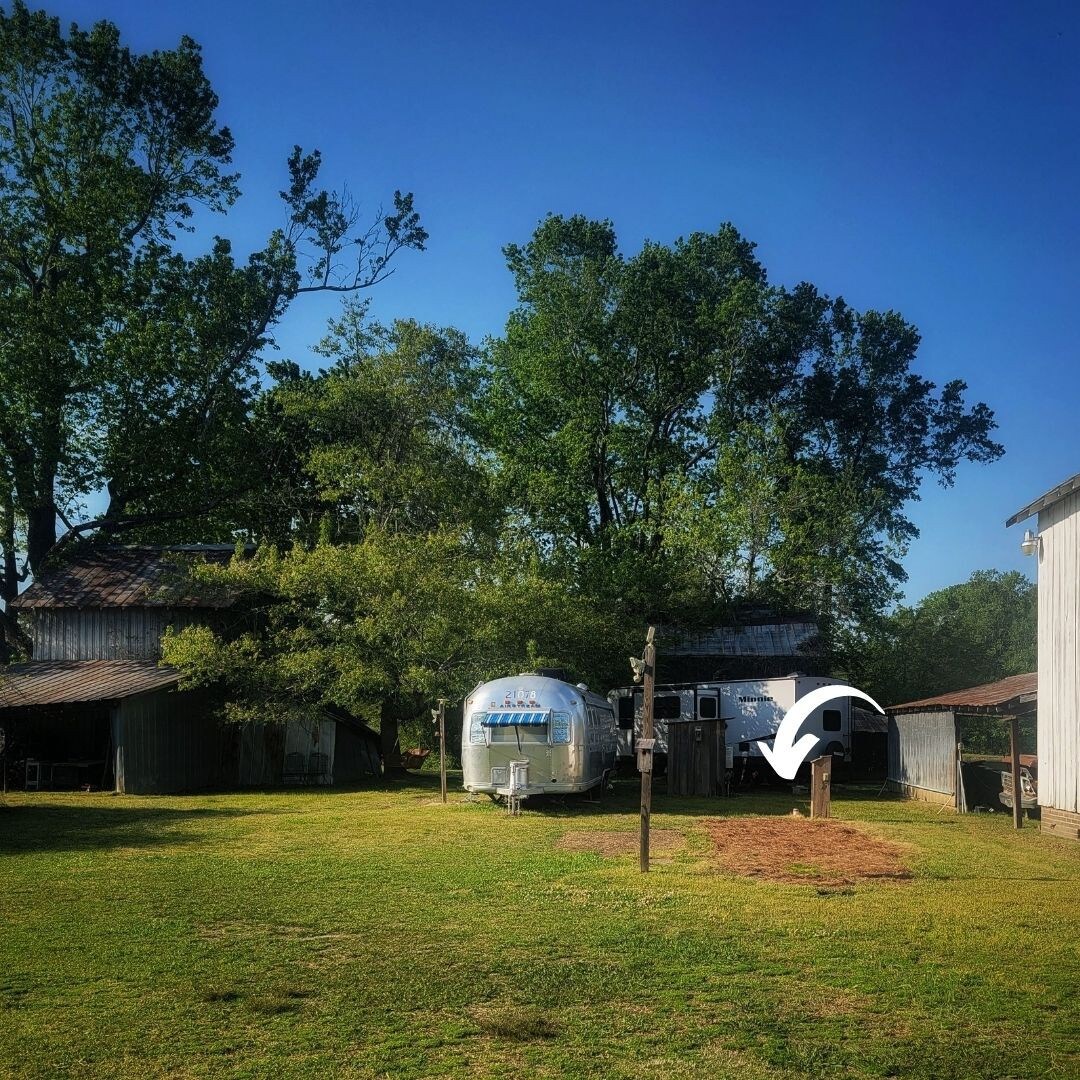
(381, 934)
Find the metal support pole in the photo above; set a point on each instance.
(647, 739)
(1014, 754)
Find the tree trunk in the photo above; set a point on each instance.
(388, 731)
(40, 535)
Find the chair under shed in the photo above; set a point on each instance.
(318, 770)
(295, 771)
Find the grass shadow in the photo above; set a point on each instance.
(30, 828)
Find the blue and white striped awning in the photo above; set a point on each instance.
(517, 718)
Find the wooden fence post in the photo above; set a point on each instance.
(820, 774)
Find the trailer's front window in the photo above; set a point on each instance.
(560, 728)
(476, 727)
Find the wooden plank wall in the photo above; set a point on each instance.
(696, 757)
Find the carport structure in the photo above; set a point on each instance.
(924, 737)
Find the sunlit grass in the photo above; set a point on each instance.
(379, 933)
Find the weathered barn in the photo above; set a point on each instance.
(95, 707)
(756, 646)
(1057, 549)
(924, 735)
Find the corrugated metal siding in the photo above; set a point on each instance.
(103, 634)
(166, 742)
(356, 755)
(1059, 655)
(922, 751)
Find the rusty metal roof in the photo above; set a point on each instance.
(1015, 694)
(118, 577)
(1054, 495)
(59, 682)
(765, 639)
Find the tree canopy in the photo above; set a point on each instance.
(685, 433)
(979, 631)
(125, 365)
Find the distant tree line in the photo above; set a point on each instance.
(656, 436)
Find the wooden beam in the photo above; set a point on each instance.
(1014, 754)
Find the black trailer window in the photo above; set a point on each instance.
(626, 713)
(667, 707)
(706, 708)
(830, 719)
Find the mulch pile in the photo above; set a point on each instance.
(802, 850)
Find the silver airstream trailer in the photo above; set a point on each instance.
(533, 734)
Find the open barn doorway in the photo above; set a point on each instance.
(59, 747)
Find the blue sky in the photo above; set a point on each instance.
(920, 157)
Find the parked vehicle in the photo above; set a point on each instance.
(752, 709)
(1029, 791)
(532, 734)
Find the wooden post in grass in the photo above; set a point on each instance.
(439, 716)
(645, 751)
(820, 771)
(1014, 754)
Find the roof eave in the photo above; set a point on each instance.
(1055, 494)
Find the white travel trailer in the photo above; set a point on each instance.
(753, 709)
(536, 735)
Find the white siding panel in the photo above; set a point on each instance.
(1059, 655)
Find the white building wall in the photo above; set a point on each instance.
(1059, 655)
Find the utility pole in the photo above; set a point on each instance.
(646, 743)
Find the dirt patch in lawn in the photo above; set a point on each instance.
(800, 850)
(620, 842)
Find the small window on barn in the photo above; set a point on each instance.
(707, 708)
(626, 713)
(667, 707)
(830, 719)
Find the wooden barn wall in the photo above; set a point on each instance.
(356, 755)
(104, 633)
(1058, 729)
(167, 742)
(922, 751)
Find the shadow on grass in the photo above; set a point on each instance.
(30, 828)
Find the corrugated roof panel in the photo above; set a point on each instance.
(126, 577)
(60, 682)
(1014, 691)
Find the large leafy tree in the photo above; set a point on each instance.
(684, 433)
(383, 436)
(964, 635)
(383, 625)
(126, 366)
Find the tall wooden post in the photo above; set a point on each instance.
(1014, 754)
(820, 771)
(442, 748)
(645, 757)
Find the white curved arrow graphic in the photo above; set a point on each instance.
(786, 755)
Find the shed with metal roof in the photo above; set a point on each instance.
(95, 707)
(925, 735)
